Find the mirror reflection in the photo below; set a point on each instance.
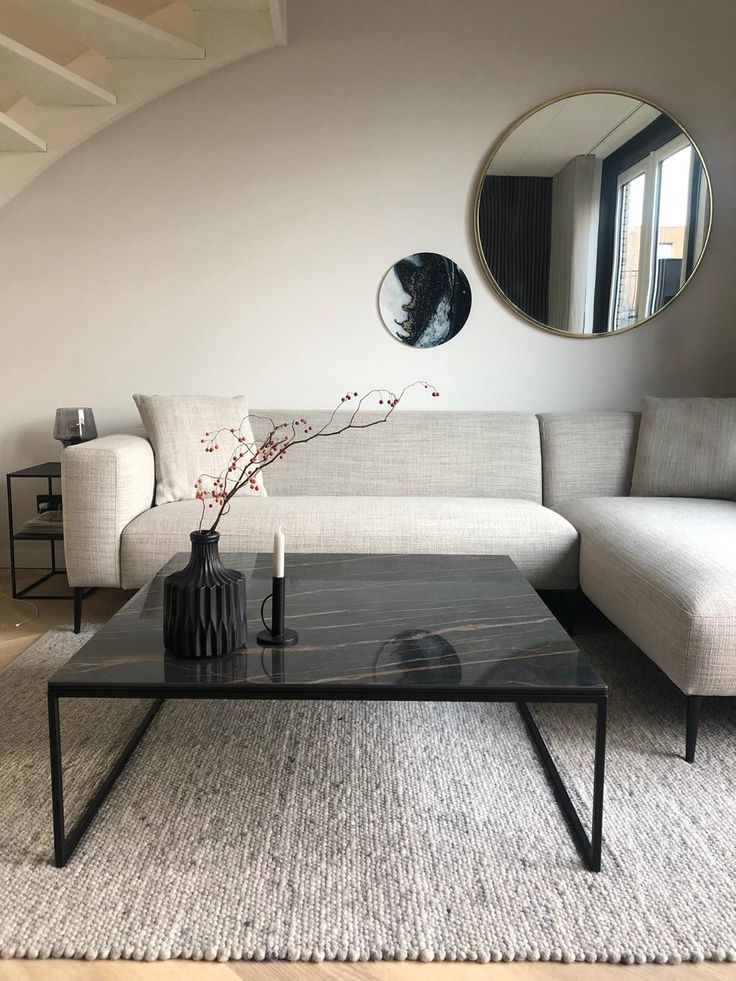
(418, 657)
(593, 213)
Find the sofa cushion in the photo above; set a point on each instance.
(686, 448)
(664, 571)
(543, 544)
(176, 424)
(587, 454)
(424, 453)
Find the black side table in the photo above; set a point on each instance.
(48, 472)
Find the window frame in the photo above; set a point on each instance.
(649, 166)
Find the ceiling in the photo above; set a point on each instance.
(596, 123)
(70, 67)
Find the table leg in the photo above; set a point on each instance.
(589, 848)
(64, 844)
(11, 538)
(599, 779)
(57, 779)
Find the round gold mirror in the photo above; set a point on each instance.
(592, 213)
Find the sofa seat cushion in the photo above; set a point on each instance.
(541, 542)
(664, 571)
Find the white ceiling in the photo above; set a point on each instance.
(70, 67)
(597, 124)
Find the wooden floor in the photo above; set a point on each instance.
(98, 608)
(188, 971)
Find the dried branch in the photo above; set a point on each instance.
(251, 457)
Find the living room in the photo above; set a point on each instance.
(369, 362)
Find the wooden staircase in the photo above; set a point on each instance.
(70, 67)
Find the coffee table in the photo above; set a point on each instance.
(465, 628)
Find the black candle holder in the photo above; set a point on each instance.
(277, 635)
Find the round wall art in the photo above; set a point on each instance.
(425, 299)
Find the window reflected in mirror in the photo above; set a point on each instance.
(593, 213)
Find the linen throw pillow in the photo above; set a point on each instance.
(175, 424)
(686, 448)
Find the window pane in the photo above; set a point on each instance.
(673, 179)
(629, 245)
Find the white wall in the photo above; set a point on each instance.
(232, 236)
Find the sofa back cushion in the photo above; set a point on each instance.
(687, 448)
(175, 425)
(414, 454)
(587, 454)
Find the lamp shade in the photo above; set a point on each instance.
(74, 426)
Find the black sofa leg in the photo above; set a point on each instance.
(572, 600)
(694, 705)
(78, 597)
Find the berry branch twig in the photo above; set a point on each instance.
(250, 457)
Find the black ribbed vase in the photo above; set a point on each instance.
(204, 604)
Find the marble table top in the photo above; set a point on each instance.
(459, 627)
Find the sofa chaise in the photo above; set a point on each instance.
(552, 491)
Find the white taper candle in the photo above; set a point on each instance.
(278, 554)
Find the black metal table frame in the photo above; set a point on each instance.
(588, 847)
(49, 472)
(51, 537)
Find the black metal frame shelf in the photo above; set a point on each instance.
(33, 536)
(49, 472)
(43, 471)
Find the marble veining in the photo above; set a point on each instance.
(399, 623)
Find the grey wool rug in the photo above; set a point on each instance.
(368, 830)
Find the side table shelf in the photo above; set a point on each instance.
(48, 472)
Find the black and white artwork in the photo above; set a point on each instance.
(425, 299)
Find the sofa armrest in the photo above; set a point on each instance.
(105, 484)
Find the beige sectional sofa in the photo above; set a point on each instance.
(551, 491)
(423, 482)
(662, 569)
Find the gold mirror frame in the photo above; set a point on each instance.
(476, 215)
